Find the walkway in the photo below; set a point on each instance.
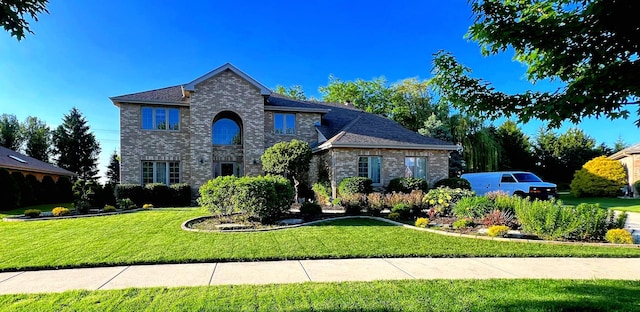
(298, 271)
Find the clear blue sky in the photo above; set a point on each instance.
(85, 51)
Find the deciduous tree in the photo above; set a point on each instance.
(14, 13)
(38, 137)
(11, 134)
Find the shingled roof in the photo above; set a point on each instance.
(346, 126)
(631, 150)
(168, 95)
(13, 160)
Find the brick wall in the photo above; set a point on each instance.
(305, 128)
(225, 92)
(137, 145)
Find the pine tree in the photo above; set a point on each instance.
(113, 170)
(76, 146)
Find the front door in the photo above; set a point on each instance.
(227, 169)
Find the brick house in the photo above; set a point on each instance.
(630, 160)
(221, 123)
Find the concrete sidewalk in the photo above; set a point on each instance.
(298, 271)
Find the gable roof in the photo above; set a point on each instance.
(347, 126)
(631, 150)
(11, 159)
(191, 85)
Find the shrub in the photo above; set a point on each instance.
(49, 192)
(394, 216)
(600, 176)
(453, 183)
(32, 213)
(65, 193)
(547, 219)
(336, 202)
(159, 194)
(309, 210)
(375, 203)
(422, 222)
(10, 191)
(496, 195)
(60, 211)
(498, 217)
(126, 204)
(442, 198)
(134, 192)
(84, 195)
(266, 198)
(217, 195)
(504, 203)
(147, 206)
(498, 230)
(619, 236)
(392, 199)
(463, 223)
(406, 185)
(403, 210)
(284, 194)
(181, 194)
(592, 222)
(108, 208)
(354, 185)
(322, 191)
(353, 203)
(473, 207)
(107, 195)
(616, 222)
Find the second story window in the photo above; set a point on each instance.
(160, 118)
(284, 123)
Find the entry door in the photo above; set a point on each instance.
(227, 169)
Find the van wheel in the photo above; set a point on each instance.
(519, 194)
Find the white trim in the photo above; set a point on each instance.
(328, 145)
(116, 102)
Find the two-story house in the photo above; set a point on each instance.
(222, 122)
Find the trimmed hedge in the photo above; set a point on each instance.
(134, 192)
(263, 197)
(26, 193)
(406, 185)
(159, 194)
(181, 194)
(65, 192)
(355, 185)
(453, 183)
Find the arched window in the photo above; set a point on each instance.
(226, 130)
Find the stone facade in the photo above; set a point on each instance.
(344, 163)
(305, 128)
(225, 92)
(138, 145)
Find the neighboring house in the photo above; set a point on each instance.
(630, 159)
(221, 123)
(14, 161)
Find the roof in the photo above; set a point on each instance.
(168, 95)
(228, 66)
(346, 126)
(631, 150)
(13, 160)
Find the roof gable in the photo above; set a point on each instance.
(191, 85)
(631, 150)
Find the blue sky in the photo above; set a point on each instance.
(85, 51)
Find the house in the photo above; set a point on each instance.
(630, 159)
(222, 122)
(17, 162)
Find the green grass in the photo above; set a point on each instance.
(605, 202)
(43, 208)
(411, 295)
(155, 236)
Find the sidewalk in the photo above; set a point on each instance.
(298, 271)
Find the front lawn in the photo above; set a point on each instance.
(43, 208)
(605, 202)
(155, 236)
(406, 295)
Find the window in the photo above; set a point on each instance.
(507, 178)
(226, 132)
(415, 167)
(284, 123)
(167, 172)
(369, 167)
(227, 169)
(159, 118)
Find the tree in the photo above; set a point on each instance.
(11, 135)
(38, 137)
(76, 146)
(515, 148)
(113, 170)
(13, 15)
(619, 145)
(295, 92)
(289, 159)
(600, 176)
(590, 46)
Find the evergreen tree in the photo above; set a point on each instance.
(38, 137)
(113, 170)
(76, 146)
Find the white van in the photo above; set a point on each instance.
(519, 183)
